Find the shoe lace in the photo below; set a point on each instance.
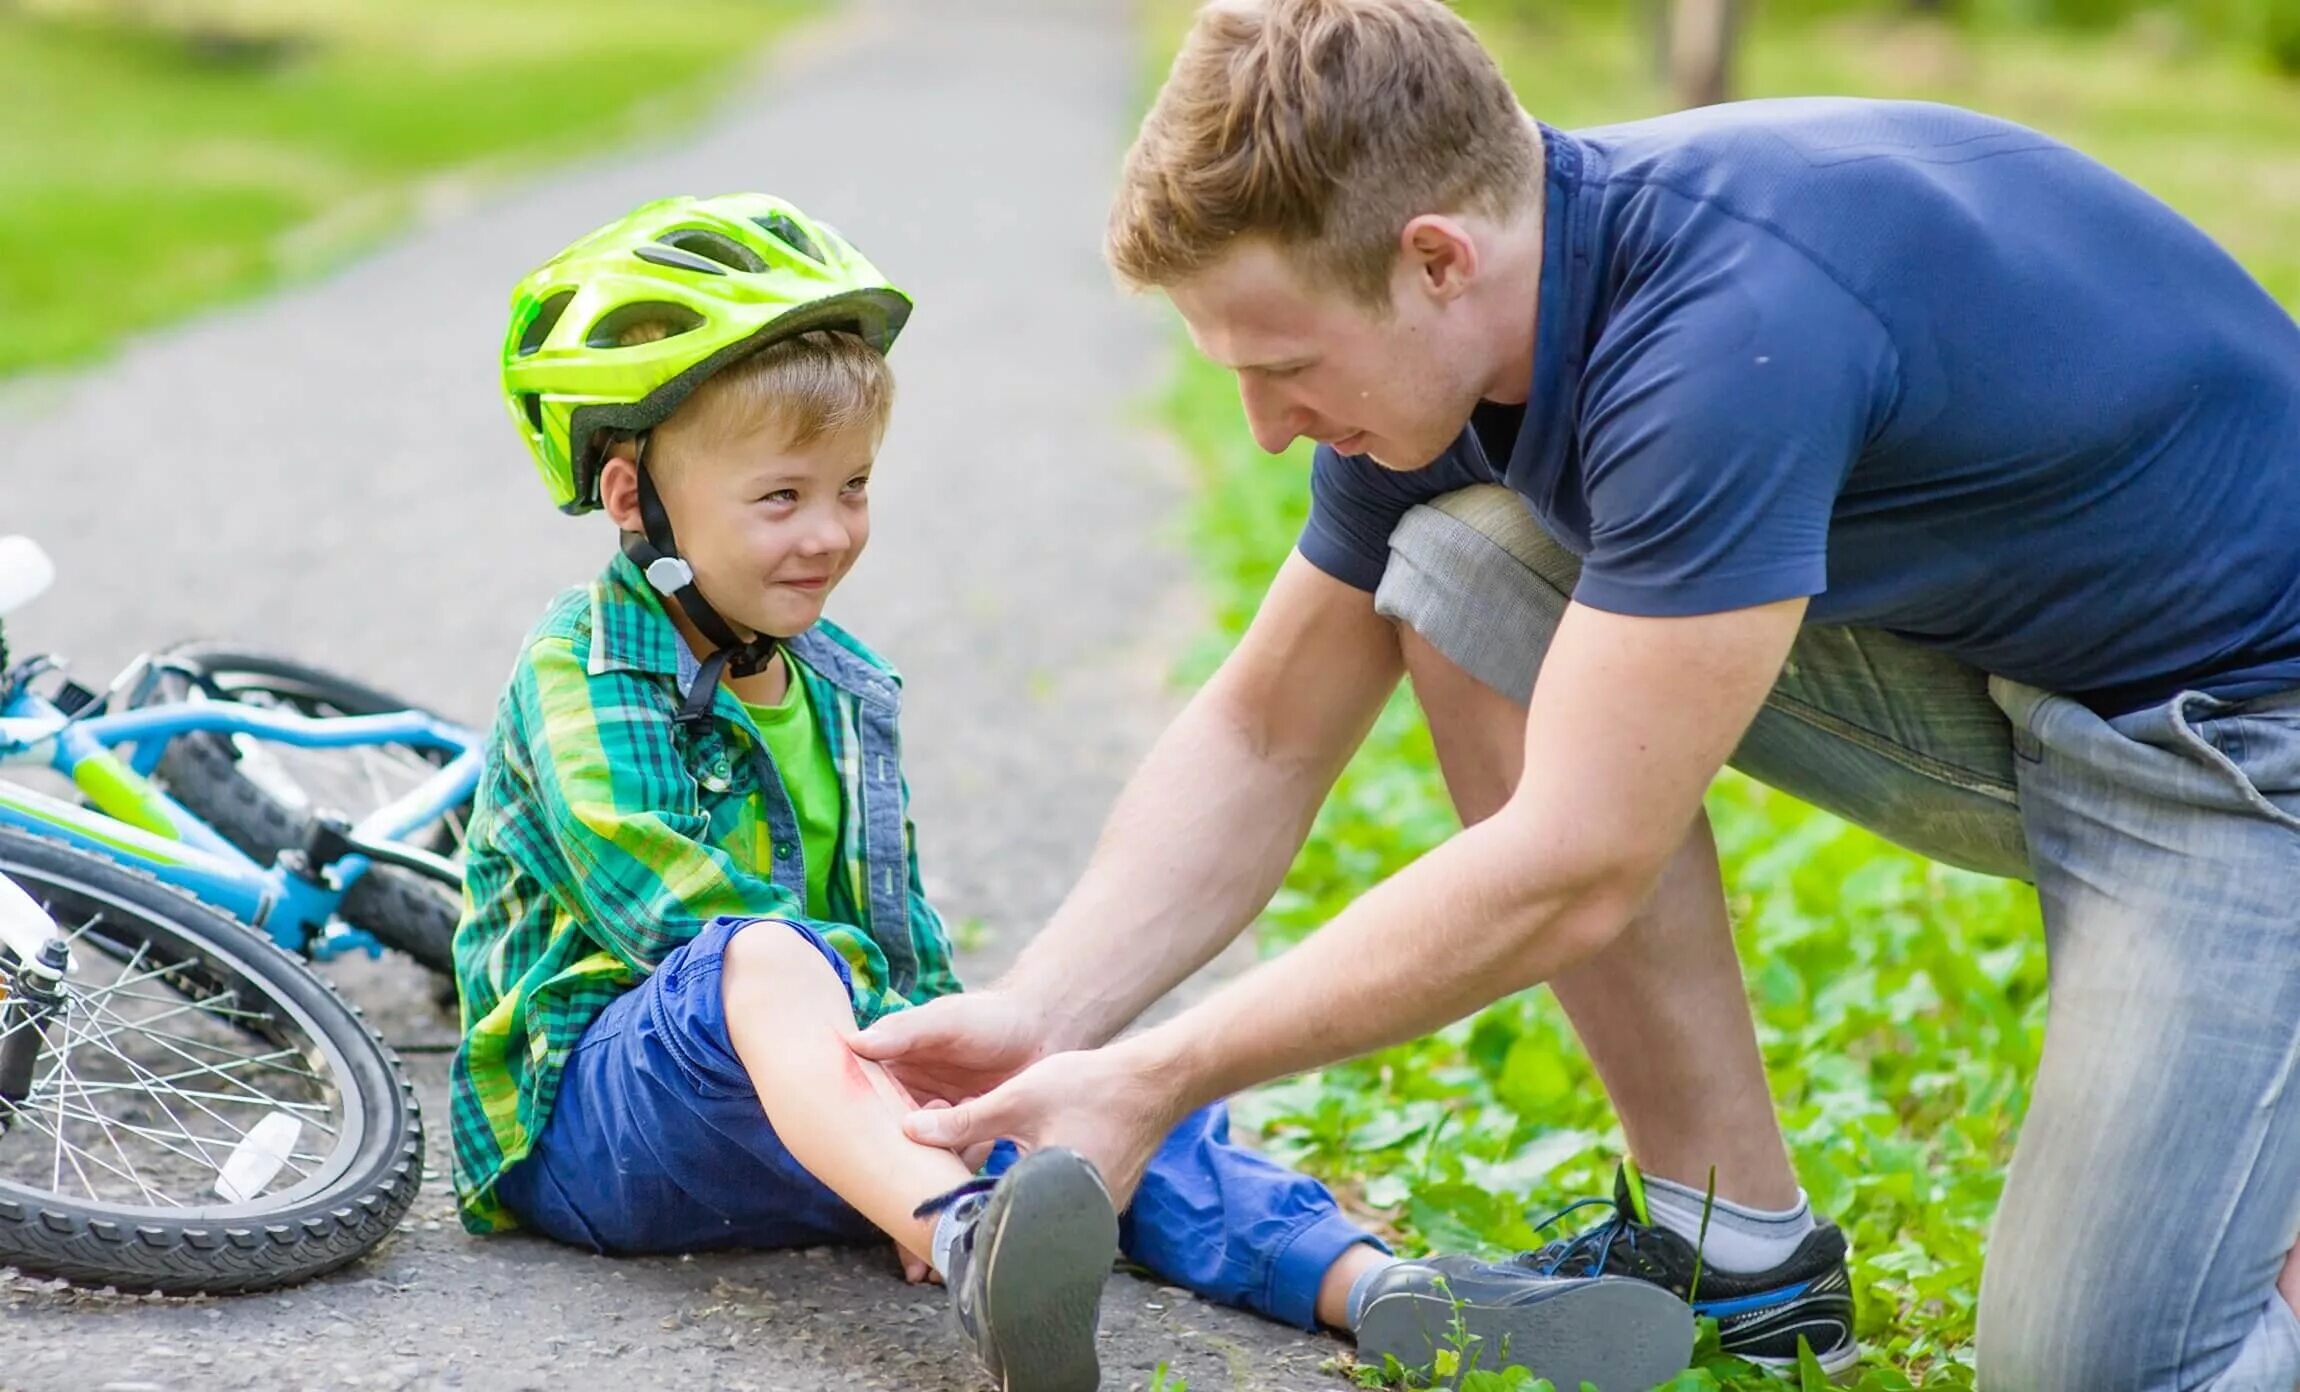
(1593, 1245)
(979, 1185)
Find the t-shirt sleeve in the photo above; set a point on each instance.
(1356, 503)
(1717, 434)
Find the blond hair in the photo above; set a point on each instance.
(814, 385)
(1326, 126)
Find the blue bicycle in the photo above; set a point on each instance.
(184, 1104)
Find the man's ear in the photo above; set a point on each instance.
(1441, 254)
(619, 491)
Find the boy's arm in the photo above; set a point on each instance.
(624, 815)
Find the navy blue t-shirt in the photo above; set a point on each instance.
(1943, 374)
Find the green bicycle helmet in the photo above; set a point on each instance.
(725, 276)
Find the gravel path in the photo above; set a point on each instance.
(329, 472)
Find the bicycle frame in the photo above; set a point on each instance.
(135, 822)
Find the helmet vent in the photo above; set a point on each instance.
(785, 230)
(684, 260)
(713, 246)
(533, 404)
(546, 319)
(616, 327)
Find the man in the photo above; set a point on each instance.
(1905, 458)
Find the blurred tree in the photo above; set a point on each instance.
(1701, 40)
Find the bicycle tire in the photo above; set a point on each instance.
(353, 1200)
(403, 909)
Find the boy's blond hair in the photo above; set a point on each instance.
(806, 388)
(1325, 125)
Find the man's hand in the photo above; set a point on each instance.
(958, 1047)
(1105, 1103)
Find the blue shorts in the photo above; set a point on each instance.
(656, 1143)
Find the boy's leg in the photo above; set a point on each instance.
(1238, 1228)
(657, 1141)
(788, 1017)
(708, 1106)
(2155, 1195)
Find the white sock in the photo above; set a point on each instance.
(1740, 1239)
(946, 1232)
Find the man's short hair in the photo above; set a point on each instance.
(1324, 126)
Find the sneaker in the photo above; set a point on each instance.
(1760, 1315)
(1614, 1333)
(1027, 1271)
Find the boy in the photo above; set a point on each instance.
(691, 876)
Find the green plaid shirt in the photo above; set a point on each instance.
(605, 835)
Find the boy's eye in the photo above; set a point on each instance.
(782, 495)
(858, 483)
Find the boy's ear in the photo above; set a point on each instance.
(619, 492)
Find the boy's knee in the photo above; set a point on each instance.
(770, 950)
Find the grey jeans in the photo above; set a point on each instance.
(2155, 1192)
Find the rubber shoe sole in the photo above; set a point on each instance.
(1053, 1239)
(1615, 1333)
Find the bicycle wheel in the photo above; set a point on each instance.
(261, 795)
(206, 1114)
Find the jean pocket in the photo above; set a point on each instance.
(2258, 752)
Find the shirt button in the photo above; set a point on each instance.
(783, 851)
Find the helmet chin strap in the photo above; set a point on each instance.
(656, 552)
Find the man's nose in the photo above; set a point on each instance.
(1274, 421)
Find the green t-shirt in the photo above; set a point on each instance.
(803, 760)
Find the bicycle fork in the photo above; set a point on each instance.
(33, 960)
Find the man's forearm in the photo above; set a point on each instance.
(1197, 844)
(1464, 926)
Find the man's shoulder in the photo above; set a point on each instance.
(1752, 144)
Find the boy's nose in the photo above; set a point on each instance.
(828, 537)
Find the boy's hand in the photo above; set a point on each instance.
(914, 1267)
(957, 1047)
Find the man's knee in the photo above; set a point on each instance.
(1473, 577)
(2096, 1309)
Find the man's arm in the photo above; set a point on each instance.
(1205, 830)
(1630, 719)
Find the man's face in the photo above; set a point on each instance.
(1316, 364)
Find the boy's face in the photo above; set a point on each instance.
(769, 528)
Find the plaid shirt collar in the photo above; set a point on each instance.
(631, 631)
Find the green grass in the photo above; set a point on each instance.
(156, 166)
(1899, 1004)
